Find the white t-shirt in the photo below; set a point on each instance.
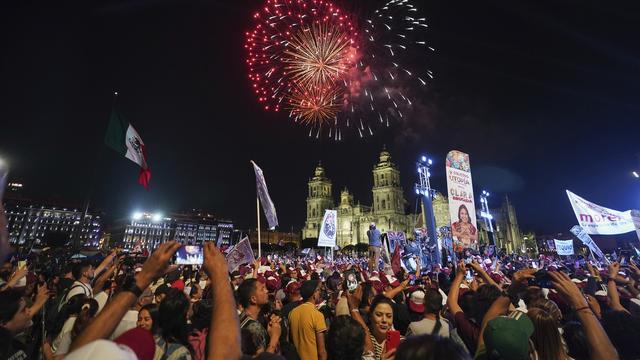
(425, 326)
(128, 322)
(79, 287)
(62, 342)
(101, 298)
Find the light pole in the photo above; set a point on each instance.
(486, 215)
(423, 189)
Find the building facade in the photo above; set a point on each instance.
(387, 210)
(147, 230)
(44, 223)
(507, 233)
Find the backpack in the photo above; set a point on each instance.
(54, 308)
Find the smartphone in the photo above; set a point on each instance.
(469, 275)
(189, 255)
(412, 279)
(542, 280)
(393, 340)
(351, 280)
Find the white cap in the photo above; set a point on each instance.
(102, 349)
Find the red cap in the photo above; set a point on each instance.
(178, 284)
(140, 341)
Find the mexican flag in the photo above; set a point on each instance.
(124, 139)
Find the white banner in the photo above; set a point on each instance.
(635, 217)
(464, 227)
(598, 220)
(564, 247)
(581, 234)
(327, 236)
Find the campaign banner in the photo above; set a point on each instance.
(242, 253)
(564, 247)
(327, 236)
(396, 238)
(265, 198)
(464, 227)
(599, 220)
(581, 234)
(635, 217)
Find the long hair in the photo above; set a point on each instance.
(546, 337)
(379, 299)
(430, 347)
(465, 209)
(72, 307)
(433, 305)
(154, 312)
(88, 310)
(173, 318)
(345, 339)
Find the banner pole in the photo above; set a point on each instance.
(258, 217)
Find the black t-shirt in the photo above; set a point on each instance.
(10, 348)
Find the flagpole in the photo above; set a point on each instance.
(258, 217)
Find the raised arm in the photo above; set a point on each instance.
(107, 320)
(454, 291)
(224, 332)
(612, 289)
(598, 342)
(397, 290)
(483, 274)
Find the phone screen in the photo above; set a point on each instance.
(189, 255)
(469, 275)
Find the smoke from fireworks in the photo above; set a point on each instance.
(335, 71)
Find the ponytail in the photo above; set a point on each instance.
(438, 326)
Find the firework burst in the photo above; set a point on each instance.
(334, 71)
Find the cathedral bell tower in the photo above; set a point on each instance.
(388, 199)
(319, 199)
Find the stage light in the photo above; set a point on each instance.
(430, 162)
(635, 173)
(424, 158)
(137, 215)
(157, 217)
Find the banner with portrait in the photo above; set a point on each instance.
(464, 227)
(327, 235)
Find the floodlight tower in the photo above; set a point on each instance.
(486, 215)
(423, 189)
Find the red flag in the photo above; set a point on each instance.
(395, 260)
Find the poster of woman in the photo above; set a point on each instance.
(464, 228)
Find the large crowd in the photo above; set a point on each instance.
(306, 306)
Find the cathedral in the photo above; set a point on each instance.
(388, 209)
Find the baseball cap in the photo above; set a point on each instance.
(508, 336)
(416, 301)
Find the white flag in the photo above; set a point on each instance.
(599, 220)
(327, 236)
(564, 247)
(581, 234)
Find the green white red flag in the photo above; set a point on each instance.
(126, 141)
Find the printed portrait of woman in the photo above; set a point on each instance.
(463, 229)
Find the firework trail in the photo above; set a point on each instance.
(334, 71)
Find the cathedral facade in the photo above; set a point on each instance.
(387, 210)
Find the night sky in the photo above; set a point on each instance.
(542, 94)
